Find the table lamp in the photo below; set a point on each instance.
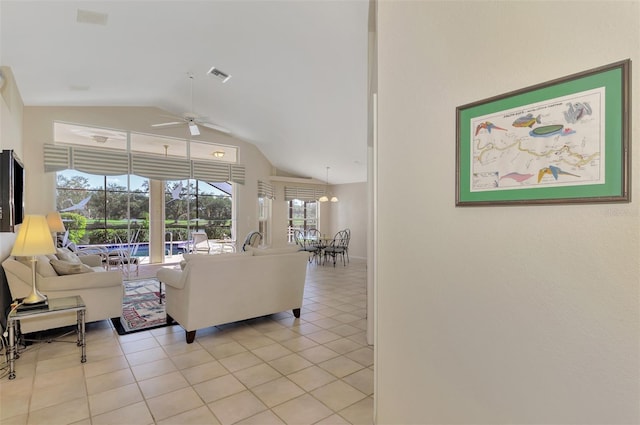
(54, 220)
(34, 238)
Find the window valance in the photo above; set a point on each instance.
(302, 193)
(265, 190)
(115, 163)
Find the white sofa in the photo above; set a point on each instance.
(215, 289)
(102, 291)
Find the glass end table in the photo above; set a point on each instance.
(54, 306)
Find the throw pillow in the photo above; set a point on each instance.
(65, 254)
(43, 268)
(65, 267)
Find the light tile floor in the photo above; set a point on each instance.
(272, 370)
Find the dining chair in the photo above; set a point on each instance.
(298, 238)
(337, 247)
(312, 244)
(253, 239)
(346, 247)
(313, 234)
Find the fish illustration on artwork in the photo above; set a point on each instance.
(554, 171)
(547, 130)
(527, 121)
(517, 177)
(487, 125)
(551, 130)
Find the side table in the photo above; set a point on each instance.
(55, 306)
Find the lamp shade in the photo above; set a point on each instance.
(54, 220)
(34, 237)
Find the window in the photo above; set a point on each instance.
(107, 193)
(264, 217)
(97, 209)
(303, 215)
(265, 199)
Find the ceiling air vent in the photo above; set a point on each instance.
(217, 73)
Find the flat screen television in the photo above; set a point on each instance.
(11, 191)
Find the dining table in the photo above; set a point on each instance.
(319, 242)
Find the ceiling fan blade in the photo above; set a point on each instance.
(167, 124)
(172, 116)
(216, 127)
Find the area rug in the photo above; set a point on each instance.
(141, 308)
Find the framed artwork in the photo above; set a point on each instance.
(563, 141)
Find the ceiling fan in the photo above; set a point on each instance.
(191, 119)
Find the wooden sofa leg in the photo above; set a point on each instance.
(191, 336)
(296, 312)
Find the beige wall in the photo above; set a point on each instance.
(10, 113)
(351, 213)
(40, 188)
(10, 136)
(40, 191)
(498, 314)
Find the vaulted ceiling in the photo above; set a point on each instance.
(298, 86)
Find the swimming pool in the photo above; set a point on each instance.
(171, 248)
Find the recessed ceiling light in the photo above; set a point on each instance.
(223, 76)
(90, 17)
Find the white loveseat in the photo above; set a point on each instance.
(215, 289)
(102, 291)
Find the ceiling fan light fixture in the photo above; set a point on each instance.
(223, 76)
(193, 129)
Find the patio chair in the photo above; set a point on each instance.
(200, 242)
(123, 257)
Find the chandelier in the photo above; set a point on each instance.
(325, 197)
